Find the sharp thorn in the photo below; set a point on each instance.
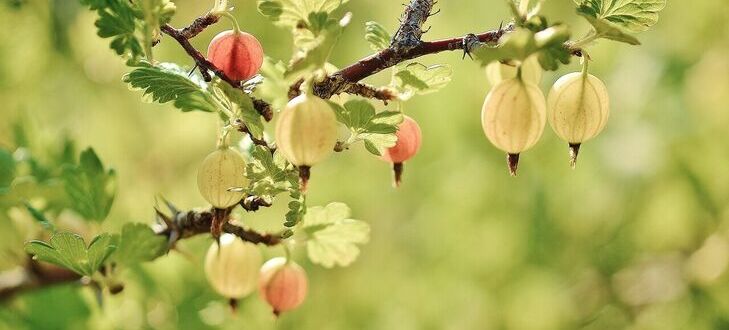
(170, 206)
(174, 236)
(189, 74)
(164, 218)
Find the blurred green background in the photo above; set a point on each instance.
(636, 237)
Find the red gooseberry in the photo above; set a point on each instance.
(238, 54)
(283, 284)
(409, 138)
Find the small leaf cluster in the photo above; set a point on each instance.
(376, 130)
(532, 35)
(408, 78)
(45, 182)
(132, 26)
(270, 175)
(167, 82)
(314, 27)
(546, 42)
(36, 171)
(137, 243)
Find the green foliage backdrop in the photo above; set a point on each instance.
(636, 237)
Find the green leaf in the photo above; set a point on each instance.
(24, 188)
(355, 114)
(295, 13)
(316, 46)
(100, 248)
(90, 187)
(155, 13)
(377, 130)
(40, 217)
(332, 236)
(377, 141)
(314, 29)
(241, 105)
(7, 170)
(270, 174)
(167, 82)
(117, 20)
(416, 78)
(372, 147)
(138, 243)
(518, 45)
(606, 29)
(392, 118)
(550, 43)
(131, 25)
(274, 88)
(68, 250)
(377, 36)
(297, 210)
(631, 15)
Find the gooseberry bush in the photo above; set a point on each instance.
(250, 168)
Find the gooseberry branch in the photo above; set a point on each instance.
(406, 45)
(343, 80)
(179, 225)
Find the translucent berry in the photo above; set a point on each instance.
(579, 107)
(220, 171)
(232, 266)
(306, 132)
(513, 118)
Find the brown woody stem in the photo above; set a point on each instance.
(406, 45)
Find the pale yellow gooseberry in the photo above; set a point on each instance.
(513, 118)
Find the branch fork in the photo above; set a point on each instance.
(406, 45)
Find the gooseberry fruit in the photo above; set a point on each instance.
(579, 107)
(231, 266)
(513, 118)
(408, 142)
(221, 170)
(238, 54)
(306, 133)
(531, 71)
(283, 284)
